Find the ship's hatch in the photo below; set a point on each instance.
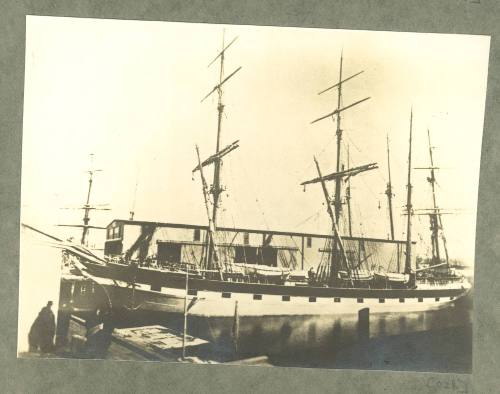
(169, 252)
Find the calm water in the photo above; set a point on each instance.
(439, 340)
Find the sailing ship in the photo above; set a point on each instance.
(87, 207)
(208, 269)
(436, 271)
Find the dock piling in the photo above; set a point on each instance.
(364, 324)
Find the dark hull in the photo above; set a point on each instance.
(157, 280)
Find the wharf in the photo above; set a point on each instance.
(147, 343)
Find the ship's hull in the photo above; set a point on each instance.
(165, 292)
(213, 304)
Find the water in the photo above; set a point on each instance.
(332, 342)
(435, 340)
(438, 340)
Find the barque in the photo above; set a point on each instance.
(212, 271)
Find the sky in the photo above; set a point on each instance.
(129, 92)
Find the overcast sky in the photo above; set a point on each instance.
(129, 92)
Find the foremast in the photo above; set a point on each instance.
(216, 159)
(211, 225)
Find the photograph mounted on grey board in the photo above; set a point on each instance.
(250, 195)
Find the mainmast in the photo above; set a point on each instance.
(336, 236)
(408, 205)
(388, 191)
(340, 174)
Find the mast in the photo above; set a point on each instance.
(348, 196)
(215, 159)
(408, 205)
(132, 210)
(211, 227)
(86, 216)
(334, 267)
(435, 216)
(337, 249)
(216, 189)
(338, 182)
(388, 191)
(336, 256)
(87, 207)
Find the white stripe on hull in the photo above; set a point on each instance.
(213, 304)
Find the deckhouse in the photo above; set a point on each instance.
(174, 242)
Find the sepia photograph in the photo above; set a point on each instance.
(250, 195)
